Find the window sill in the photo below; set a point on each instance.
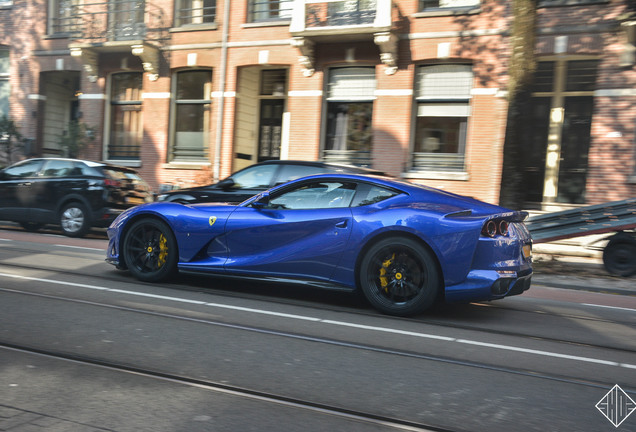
(436, 175)
(266, 24)
(471, 10)
(559, 3)
(631, 179)
(194, 27)
(187, 165)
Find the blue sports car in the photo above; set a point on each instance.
(403, 245)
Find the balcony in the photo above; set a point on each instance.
(333, 19)
(116, 26)
(330, 21)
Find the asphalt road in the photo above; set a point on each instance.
(86, 347)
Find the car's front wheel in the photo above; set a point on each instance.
(150, 250)
(399, 276)
(74, 220)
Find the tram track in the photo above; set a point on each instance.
(325, 340)
(291, 402)
(280, 296)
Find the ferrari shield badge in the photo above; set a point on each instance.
(212, 220)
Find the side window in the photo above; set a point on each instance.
(293, 172)
(370, 194)
(255, 177)
(58, 168)
(315, 196)
(26, 169)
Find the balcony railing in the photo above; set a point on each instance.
(348, 157)
(116, 20)
(327, 15)
(438, 162)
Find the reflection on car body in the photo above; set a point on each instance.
(403, 245)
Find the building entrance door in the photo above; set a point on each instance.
(270, 129)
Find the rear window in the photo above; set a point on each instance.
(371, 194)
(61, 168)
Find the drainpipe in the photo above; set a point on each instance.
(219, 120)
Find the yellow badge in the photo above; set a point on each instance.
(212, 220)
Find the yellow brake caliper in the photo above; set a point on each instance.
(163, 251)
(385, 265)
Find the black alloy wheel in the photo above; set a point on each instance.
(398, 276)
(150, 250)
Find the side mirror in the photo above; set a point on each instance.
(261, 201)
(226, 183)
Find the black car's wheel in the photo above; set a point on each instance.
(31, 226)
(398, 276)
(150, 250)
(619, 256)
(74, 220)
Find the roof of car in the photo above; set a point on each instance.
(90, 163)
(353, 168)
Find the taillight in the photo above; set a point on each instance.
(503, 227)
(495, 227)
(111, 182)
(490, 229)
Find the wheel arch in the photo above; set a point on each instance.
(401, 234)
(75, 198)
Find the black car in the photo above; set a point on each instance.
(257, 178)
(75, 194)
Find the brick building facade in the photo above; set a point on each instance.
(189, 91)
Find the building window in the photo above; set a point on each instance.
(126, 130)
(443, 109)
(191, 116)
(4, 82)
(349, 133)
(447, 4)
(64, 16)
(270, 10)
(190, 12)
(559, 131)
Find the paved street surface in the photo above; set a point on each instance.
(85, 347)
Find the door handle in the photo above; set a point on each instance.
(24, 184)
(341, 224)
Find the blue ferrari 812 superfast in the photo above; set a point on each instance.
(404, 246)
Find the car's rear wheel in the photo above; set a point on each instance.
(398, 276)
(150, 250)
(74, 220)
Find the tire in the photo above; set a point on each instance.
(74, 220)
(150, 250)
(399, 277)
(31, 226)
(619, 256)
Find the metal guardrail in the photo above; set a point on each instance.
(596, 219)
